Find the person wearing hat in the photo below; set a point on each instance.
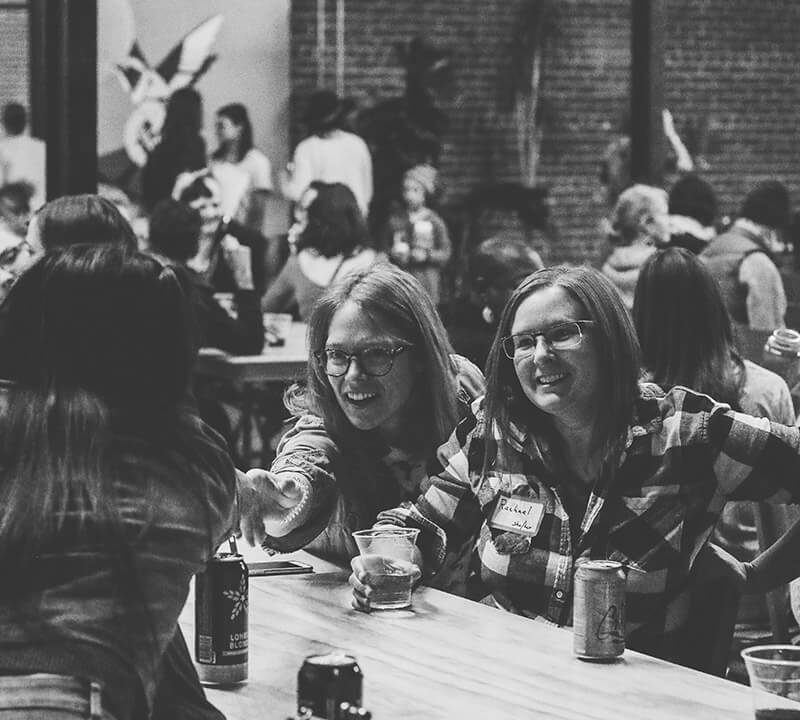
(329, 154)
(419, 239)
(741, 259)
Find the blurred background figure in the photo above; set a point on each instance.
(235, 147)
(181, 147)
(692, 213)
(638, 224)
(494, 270)
(22, 157)
(418, 238)
(332, 242)
(330, 153)
(742, 259)
(16, 252)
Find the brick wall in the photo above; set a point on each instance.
(15, 78)
(728, 63)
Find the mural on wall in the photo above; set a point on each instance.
(149, 88)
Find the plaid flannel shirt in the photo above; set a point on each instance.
(684, 457)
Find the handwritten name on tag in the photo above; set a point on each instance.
(518, 515)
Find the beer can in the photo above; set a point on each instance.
(598, 610)
(220, 608)
(325, 682)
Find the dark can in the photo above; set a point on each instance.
(598, 610)
(325, 682)
(220, 616)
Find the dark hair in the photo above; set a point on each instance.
(237, 114)
(175, 230)
(323, 112)
(14, 118)
(16, 197)
(184, 115)
(80, 219)
(396, 300)
(204, 185)
(617, 351)
(502, 262)
(767, 204)
(693, 197)
(684, 328)
(335, 223)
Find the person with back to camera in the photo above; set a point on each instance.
(614, 469)
(494, 270)
(638, 225)
(114, 493)
(687, 339)
(383, 390)
(332, 242)
(235, 137)
(329, 154)
(741, 259)
(419, 241)
(692, 213)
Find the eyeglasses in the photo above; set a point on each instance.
(374, 361)
(563, 336)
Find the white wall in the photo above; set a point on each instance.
(252, 65)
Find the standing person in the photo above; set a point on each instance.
(383, 390)
(235, 138)
(692, 213)
(329, 154)
(741, 259)
(604, 467)
(113, 492)
(419, 241)
(687, 339)
(638, 224)
(181, 147)
(331, 241)
(22, 157)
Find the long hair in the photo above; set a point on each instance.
(618, 356)
(684, 328)
(335, 223)
(237, 114)
(78, 219)
(393, 299)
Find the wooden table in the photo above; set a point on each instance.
(451, 658)
(275, 364)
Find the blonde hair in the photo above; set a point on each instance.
(636, 203)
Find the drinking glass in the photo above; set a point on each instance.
(388, 554)
(774, 672)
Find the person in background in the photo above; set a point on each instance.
(329, 154)
(741, 259)
(692, 213)
(235, 138)
(16, 253)
(383, 389)
(687, 339)
(181, 147)
(113, 492)
(331, 241)
(610, 468)
(419, 241)
(494, 270)
(638, 224)
(22, 157)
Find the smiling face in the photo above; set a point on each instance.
(368, 402)
(562, 383)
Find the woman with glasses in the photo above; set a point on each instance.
(383, 391)
(598, 464)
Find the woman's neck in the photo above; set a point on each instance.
(580, 448)
(230, 152)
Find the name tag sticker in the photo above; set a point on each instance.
(519, 515)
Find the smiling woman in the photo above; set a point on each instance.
(383, 390)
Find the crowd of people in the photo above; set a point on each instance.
(613, 402)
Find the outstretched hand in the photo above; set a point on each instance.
(266, 500)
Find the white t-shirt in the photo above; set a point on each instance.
(22, 158)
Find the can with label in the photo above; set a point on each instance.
(598, 611)
(325, 682)
(220, 611)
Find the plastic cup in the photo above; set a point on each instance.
(276, 328)
(774, 672)
(388, 554)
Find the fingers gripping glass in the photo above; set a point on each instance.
(376, 361)
(563, 336)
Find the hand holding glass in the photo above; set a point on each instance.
(387, 560)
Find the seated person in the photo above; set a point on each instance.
(610, 468)
(383, 390)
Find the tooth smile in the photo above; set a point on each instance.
(360, 396)
(547, 379)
